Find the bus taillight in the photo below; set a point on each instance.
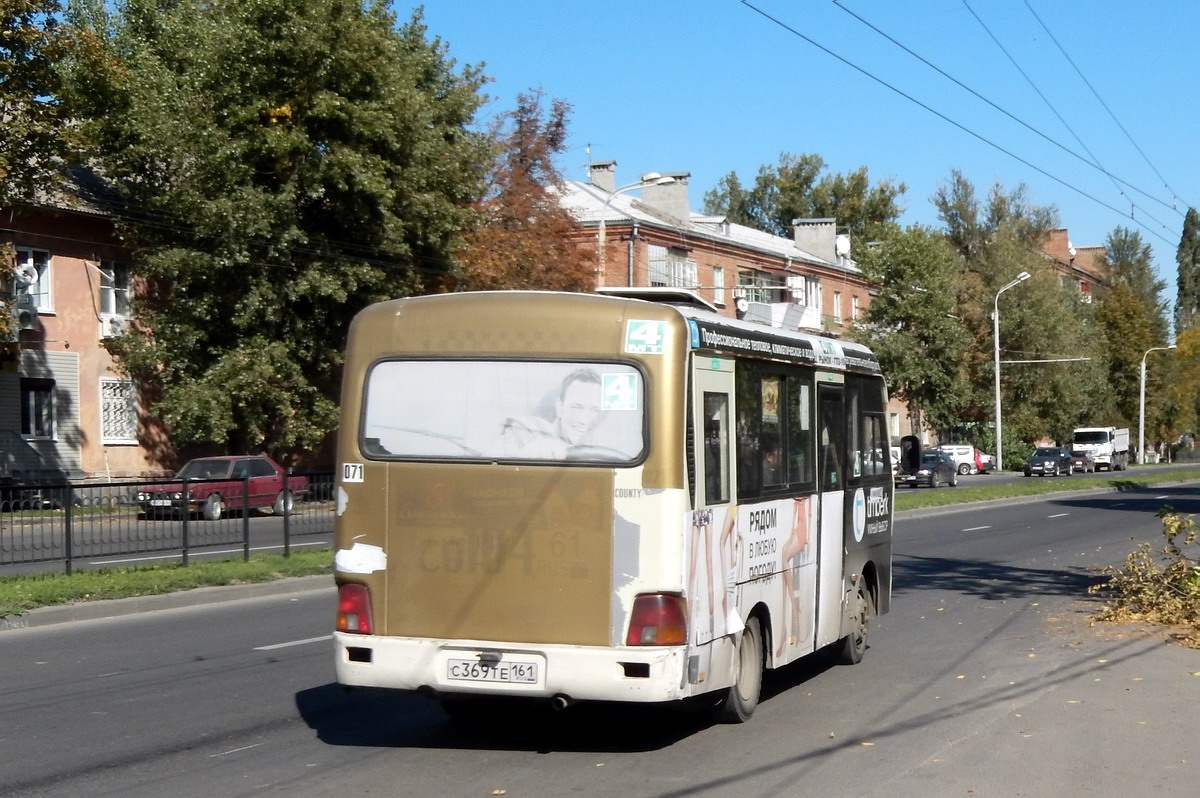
(354, 609)
(658, 620)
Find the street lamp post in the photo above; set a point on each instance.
(648, 179)
(1022, 277)
(1141, 452)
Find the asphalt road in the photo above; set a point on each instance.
(985, 680)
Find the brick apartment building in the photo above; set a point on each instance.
(807, 282)
(65, 410)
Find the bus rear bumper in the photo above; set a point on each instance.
(634, 674)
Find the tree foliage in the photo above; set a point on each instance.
(910, 324)
(36, 139)
(798, 188)
(523, 235)
(1187, 260)
(289, 163)
(1040, 321)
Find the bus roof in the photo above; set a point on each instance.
(708, 330)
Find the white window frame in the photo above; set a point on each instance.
(837, 305)
(122, 409)
(114, 289)
(669, 268)
(40, 260)
(718, 279)
(760, 286)
(816, 294)
(853, 307)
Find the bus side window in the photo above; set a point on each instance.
(716, 448)
(832, 443)
(799, 434)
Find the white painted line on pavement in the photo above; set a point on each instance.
(976, 528)
(234, 750)
(294, 643)
(1058, 515)
(199, 552)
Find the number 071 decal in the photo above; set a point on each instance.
(645, 337)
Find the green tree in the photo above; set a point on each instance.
(798, 188)
(1041, 324)
(911, 325)
(1131, 317)
(285, 164)
(36, 140)
(523, 234)
(1187, 259)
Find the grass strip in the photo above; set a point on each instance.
(969, 490)
(19, 594)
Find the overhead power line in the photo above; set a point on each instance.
(999, 108)
(1132, 205)
(1096, 94)
(942, 116)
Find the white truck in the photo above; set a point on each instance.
(1108, 446)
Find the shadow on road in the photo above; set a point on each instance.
(988, 580)
(404, 719)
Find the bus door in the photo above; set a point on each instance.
(711, 529)
(831, 477)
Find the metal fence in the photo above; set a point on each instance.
(75, 522)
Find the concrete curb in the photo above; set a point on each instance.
(95, 610)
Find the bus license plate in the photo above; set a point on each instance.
(472, 670)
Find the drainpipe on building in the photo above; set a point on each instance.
(632, 235)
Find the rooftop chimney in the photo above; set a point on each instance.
(670, 198)
(817, 237)
(603, 175)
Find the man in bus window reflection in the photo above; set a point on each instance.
(577, 412)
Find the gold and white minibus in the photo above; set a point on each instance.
(603, 497)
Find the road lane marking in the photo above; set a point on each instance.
(235, 750)
(197, 553)
(1058, 515)
(274, 646)
(976, 528)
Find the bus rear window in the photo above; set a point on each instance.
(504, 410)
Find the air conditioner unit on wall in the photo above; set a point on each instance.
(26, 312)
(112, 326)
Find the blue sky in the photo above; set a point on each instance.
(714, 86)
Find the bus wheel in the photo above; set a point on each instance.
(741, 699)
(854, 644)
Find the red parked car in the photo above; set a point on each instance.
(217, 484)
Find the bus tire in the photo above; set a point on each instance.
(740, 700)
(853, 646)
